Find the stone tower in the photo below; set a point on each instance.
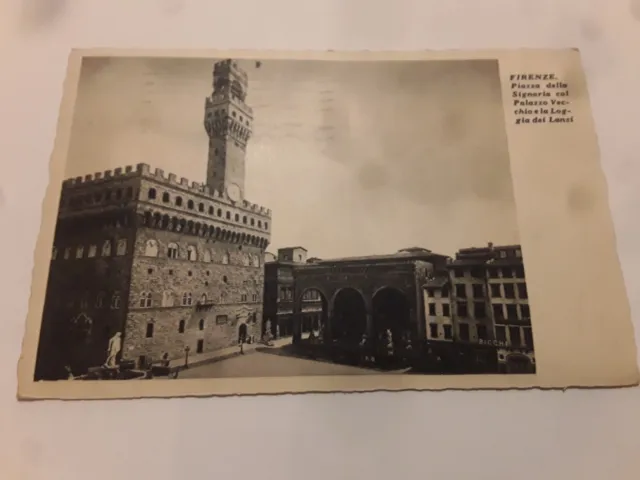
(228, 122)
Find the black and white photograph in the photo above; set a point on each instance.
(273, 218)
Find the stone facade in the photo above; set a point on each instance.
(168, 263)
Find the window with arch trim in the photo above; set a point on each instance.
(151, 194)
(151, 248)
(122, 247)
(167, 299)
(106, 248)
(187, 299)
(225, 259)
(166, 198)
(207, 256)
(115, 301)
(192, 253)
(100, 300)
(203, 298)
(145, 300)
(178, 201)
(190, 204)
(172, 250)
(181, 326)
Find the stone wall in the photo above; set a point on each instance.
(234, 289)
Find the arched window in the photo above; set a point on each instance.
(181, 326)
(225, 279)
(237, 217)
(106, 248)
(93, 250)
(186, 299)
(228, 215)
(203, 298)
(100, 300)
(253, 222)
(201, 207)
(166, 198)
(245, 260)
(54, 253)
(122, 247)
(79, 251)
(145, 300)
(244, 219)
(151, 248)
(201, 324)
(256, 260)
(115, 301)
(149, 331)
(266, 225)
(223, 297)
(207, 256)
(190, 204)
(219, 212)
(151, 194)
(167, 299)
(67, 253)
(172, 250)
(210, 210)
(178, 201)
(225, 259)
(192, 253)
(260, 223)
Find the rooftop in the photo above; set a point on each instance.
(171, 179)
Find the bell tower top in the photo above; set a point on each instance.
(228, 123)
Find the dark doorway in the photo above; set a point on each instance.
(391, 312)
(349, 320)
(200, 346)
(242, 333)
(517, 363)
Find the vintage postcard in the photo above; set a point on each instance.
(224, 223)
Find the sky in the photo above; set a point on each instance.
(353, 158)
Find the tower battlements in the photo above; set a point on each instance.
(230, 67)
(162, 178)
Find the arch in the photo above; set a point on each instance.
(207, 256)
(391, 312)
(151, 248)
(349, 319)
(519, 363)
(313, 313)
(192, 253)
(243, 332)
(190, 204)
(178, 201)
(156, 220)
(151, 194)
(166, 222)
(166, 198)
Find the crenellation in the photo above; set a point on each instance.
(128, 169)
(97, 176)
(159, 173)
(88, 177)
(78, 181)
(117, 172)
(108, 174)
(184, 181)
(143, 168)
